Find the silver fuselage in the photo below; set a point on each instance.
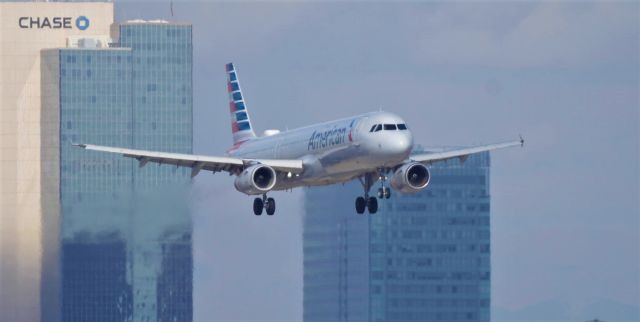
(335, 151)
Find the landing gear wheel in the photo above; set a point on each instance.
(384, 193)
(258, 205)
(360, 205)
(270, 206)
(372, 205)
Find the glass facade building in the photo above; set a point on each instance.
(124, 231)
(422, 257)
(29, 163)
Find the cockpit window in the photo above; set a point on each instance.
(402, 127)
(373, 127)
(389, 127)
(378, 128)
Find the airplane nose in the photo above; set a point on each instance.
(406, 143)
(403, 144)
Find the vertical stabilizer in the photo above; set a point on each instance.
(240, 122)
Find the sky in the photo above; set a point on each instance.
(565, 75)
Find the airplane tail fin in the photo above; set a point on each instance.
(240, 122)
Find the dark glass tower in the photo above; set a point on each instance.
(422, 257)
(124, 231)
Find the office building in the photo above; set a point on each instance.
(135, 91)
(422, 257)
(88, 236)
(25, 29)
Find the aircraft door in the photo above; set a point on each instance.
(356, 131)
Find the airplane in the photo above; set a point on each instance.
(370, 147)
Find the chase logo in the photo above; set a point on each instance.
(82, 23)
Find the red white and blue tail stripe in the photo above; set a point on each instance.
(240, 122)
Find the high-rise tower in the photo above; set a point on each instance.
(25, 29)
(124, 232)
(422, 257)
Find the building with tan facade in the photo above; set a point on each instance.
(88, 236)
(27, 28)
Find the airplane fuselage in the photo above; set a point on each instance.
(335, 151)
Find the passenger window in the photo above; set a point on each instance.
(402, 127)
(373, 127)
(378, 128)
(389, 127)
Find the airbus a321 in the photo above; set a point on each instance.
(370, 147)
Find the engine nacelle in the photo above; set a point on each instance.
(256, 179)
(411, 177)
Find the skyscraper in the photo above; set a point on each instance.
(422, 257)
(25, 29)
(124, 236)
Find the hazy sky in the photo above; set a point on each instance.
(565, 209)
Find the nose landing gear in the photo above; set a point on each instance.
(384, 193)
(264, 203)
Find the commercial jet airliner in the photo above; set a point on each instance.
(370, 147)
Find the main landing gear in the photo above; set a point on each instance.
(371, 203)
(264, 203)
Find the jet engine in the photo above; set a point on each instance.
(411, 177)
(256, 179)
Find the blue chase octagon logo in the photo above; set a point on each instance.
(82, 23)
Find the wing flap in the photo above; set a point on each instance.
(196, 162)
(464, 153)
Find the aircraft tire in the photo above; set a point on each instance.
(258, 205)
(372, 205)
(270, 206)
(361, 204)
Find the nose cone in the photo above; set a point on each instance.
(397, 145)
(403, 144)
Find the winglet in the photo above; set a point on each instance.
(521, 141)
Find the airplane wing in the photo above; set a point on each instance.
(197, 162)
(462, 154)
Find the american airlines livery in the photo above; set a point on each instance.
(369, 147)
